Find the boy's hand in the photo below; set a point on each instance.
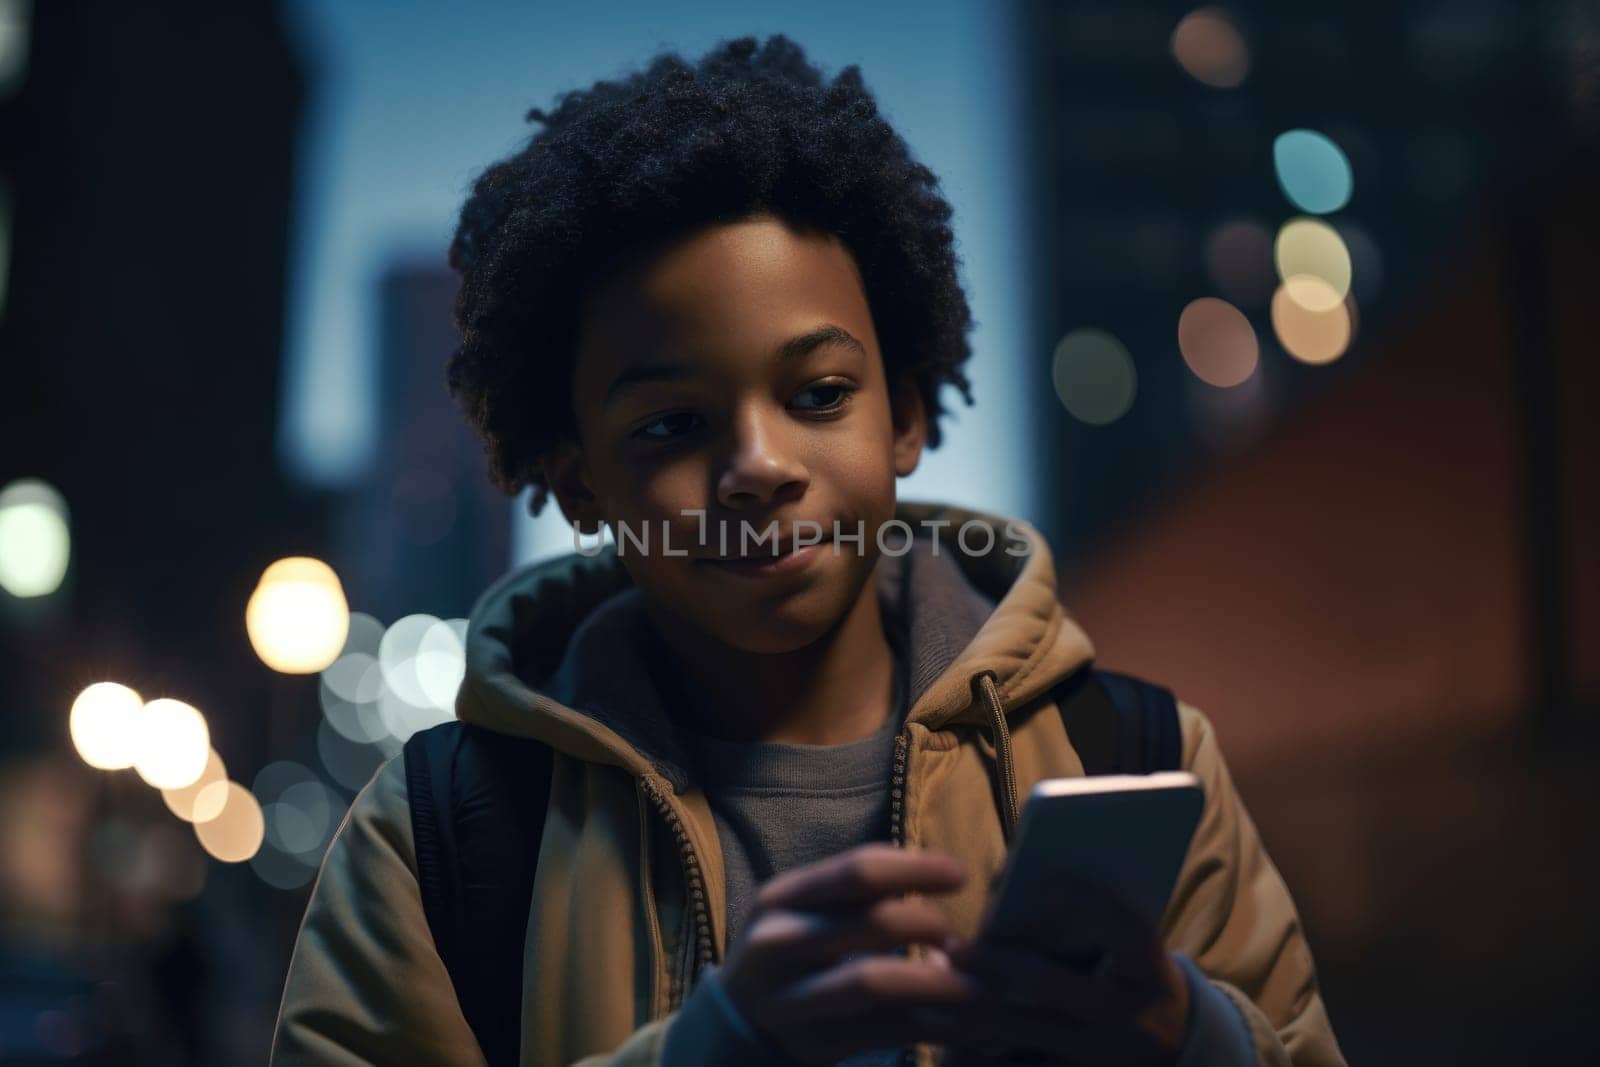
(1132, 1009)
(813, 968)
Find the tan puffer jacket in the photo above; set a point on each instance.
(628, 904)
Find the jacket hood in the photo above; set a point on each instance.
(557, 650)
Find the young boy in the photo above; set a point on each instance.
(711, 306)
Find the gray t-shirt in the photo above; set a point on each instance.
(780, 806)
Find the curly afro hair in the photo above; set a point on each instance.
(659, 154)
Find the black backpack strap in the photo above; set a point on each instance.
(478, 804)
(1120, 724)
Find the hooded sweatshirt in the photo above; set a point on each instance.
(628, 919)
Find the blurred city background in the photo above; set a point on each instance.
(1286, 338)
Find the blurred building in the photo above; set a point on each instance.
(1378, 573)
(147, 155)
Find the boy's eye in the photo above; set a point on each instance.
(838, 389)
(676, 424)
(643, 434)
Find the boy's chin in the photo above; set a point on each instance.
(767, 616)
(775, 625)
(775, 630)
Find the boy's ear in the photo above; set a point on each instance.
(910, 425)
(568, 479)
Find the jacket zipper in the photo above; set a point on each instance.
(697, 894)
(692, 872)
(647, 891)
(897, 833)
(691, 867)
(897, 789)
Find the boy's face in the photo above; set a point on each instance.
(685, 404)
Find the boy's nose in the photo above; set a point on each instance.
(760, 467)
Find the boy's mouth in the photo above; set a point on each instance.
(776, 551)
(759, 564)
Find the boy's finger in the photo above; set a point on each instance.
(793, 942)
(862, 875)
(885, 926)
(873, 983)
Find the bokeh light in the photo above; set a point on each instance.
(351, 685)
(35, 538)
(353, 677)
(301, 820)
(173, 744)
(349, 763)
(1313, 172)
(235, 833)
(1094, 376)
(1307, 335)
(277, 777)
(281, 870)
(184, 801)
(441, 662)
(349, 693)
(1218, 342)
(397, 655)
(1239, 260)
(422, 662)
(366, 633)
(300, 814)
(1210, 47)
(297, 617)
(1308, 252)
(104, 724)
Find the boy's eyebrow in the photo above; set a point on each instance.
(794, 348)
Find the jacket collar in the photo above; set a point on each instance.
(556, 650)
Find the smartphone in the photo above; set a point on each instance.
(1124, 833)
